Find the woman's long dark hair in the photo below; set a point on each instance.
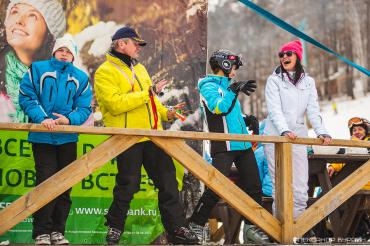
(299, 72)
(43, 53)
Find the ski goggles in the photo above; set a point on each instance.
(287, 53)
(237, 60)
(356, 121)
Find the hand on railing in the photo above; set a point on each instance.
(326, 137)
(61, 120)
(291, 135)
(49, 124)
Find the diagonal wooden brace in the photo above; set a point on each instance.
(216, 181)
(332, 200)
(63, 180)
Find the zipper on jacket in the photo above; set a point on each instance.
(69, 95)
(150, 116)
(147, 106)
(51, 91)
(125, 119)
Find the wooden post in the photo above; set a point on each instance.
(284, 190)
(333, 199)
(221, 185)
(63, 180)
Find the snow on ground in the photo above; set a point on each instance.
(336, 124)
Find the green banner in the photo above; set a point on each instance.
(91, 197)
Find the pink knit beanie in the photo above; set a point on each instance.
(295, 46)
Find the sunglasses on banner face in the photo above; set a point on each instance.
(355, 121)
(287, 53)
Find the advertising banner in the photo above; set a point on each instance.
(91, 197)
(176, 36)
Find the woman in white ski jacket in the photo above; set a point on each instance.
(290, 93)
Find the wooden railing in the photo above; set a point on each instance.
(283, 228)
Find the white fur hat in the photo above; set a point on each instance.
(51, 10)
(67, 42)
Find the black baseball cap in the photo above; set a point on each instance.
(128, 32)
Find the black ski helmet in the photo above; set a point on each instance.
(224, 60)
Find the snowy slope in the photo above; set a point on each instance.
(336, 124)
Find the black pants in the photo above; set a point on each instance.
(49, 159)
(161, 170)
(249, 181)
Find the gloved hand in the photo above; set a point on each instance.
(252, 124)
(235, 87)
(244, 86)
(248, 86)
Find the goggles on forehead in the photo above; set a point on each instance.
(236, 60)
(229, 57)
(356, 121)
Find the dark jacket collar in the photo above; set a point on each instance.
(123, 57)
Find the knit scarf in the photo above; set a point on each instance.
(14, 73)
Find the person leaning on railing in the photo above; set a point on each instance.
(290, 94)
(127, 99)
(54, 92)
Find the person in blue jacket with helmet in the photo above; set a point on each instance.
(219, 101)
(54, 92)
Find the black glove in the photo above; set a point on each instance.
(235, 87)
(244, 86)
(252, 124)
(248, 86)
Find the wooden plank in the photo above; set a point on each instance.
(326, 185)
(221, 185)
(284, 190)
(350, 214)
(63, 180)
(218, 234)
(333, 199)
(181, 134)
(339, 157)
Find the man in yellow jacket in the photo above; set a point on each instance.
(127, 99)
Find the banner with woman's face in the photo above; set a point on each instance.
(176, 33)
